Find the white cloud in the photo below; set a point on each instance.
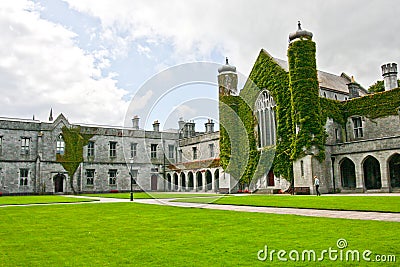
(41, 67)
(355, 36)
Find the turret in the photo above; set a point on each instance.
(227, 79)
(389, 73)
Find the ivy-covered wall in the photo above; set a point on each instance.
(73, 154)
(306, 109)
(300, 112)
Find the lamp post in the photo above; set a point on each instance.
(131, 175)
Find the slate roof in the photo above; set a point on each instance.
(326, 80)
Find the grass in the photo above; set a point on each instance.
(131, 234)
(22, 200)
(148, 195)
(358, 203)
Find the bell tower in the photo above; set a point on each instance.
(227, 79)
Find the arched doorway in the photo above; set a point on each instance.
(175, 181)
(372, 173)
(190, 182)
(169, 182)
(183, 181)
(394, 171)
(348, 173)
(199, 178)
(208, 180)
(59, 183)
(216, 179)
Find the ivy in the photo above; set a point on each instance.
(300, 114)
(73, 154)
(306, 109)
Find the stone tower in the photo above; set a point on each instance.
(227, 79)
(389, 73)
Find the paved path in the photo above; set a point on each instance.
(355, 215)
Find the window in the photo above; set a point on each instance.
(180, 155)
(89, 177)
(1, 144)
(194, 152)
(211, 148)
(171, 151)
(113, 149)
(23, 176)
(112, 177)
(358, 130)
(302, 168)
(90, 149)
(60, 147)
(153, 153)
(134, 174)
(25, 141)
(133, 150)
(337, 137)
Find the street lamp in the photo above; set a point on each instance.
(131, 174)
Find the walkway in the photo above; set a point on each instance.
(354, 215)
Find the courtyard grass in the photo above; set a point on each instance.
(131, 234)
(24, 200)
(149, 195)
(357, 203)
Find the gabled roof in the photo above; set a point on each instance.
(326, 80)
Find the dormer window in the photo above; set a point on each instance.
(358, 128)
(60, 147)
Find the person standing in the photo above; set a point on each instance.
(316, 183)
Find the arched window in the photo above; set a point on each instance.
(394, 170)
(183, 181)
(169, 181)
(348, 173)
(60, 147)
(266, 118)
(190, 181)
(372, 173)
(199, 178)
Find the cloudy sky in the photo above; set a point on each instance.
(88, 58)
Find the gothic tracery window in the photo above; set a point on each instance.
(266, 117)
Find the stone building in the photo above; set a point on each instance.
(318, 123)
(355, 148)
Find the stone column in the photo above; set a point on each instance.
(385, 181)
(195, 182)
(203, 177)
(179, 183)
(213, 181)
(359, 176)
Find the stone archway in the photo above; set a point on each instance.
(394, 171)
(199, 180)
(216, 179)
(169, 182)
(372, 173)
(348, 173)
(176, 182)
(59, 179)
(208, 180)
(190, 181)
(183, 181)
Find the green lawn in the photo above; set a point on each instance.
(21, 200)
(360, 203)
(148, 195)
(131, 234)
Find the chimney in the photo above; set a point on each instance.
(156, 126)
(209, 126)
(181, 124)
(354, 88)
(135, 122)
(389, 73)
